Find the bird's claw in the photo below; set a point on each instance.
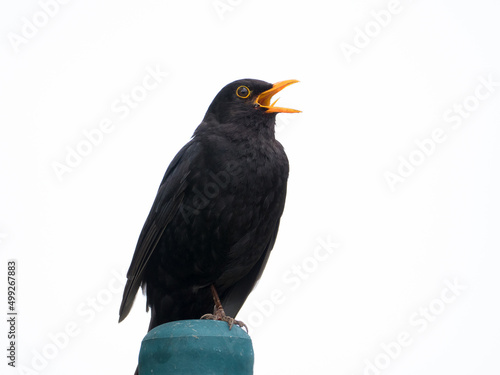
(219, 314)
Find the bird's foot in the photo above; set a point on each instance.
(219, 314)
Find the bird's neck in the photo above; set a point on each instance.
(240, 130)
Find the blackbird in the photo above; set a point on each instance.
(215, 217)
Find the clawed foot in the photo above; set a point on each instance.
(219, 314)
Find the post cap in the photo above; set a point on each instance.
(205, 347)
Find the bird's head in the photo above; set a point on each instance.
(249, 101)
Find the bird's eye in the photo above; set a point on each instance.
(243, 92)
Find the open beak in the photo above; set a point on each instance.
(264, 99)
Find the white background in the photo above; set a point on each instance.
(396, 249)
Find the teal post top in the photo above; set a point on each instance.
(192, 347)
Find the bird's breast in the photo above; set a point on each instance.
(233, 200)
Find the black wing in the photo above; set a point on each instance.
(165, 206)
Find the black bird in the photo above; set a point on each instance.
(216, 214)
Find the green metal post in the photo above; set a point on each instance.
(196, 347)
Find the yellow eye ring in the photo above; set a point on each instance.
(243, 92)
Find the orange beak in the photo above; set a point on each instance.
(264, 99)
